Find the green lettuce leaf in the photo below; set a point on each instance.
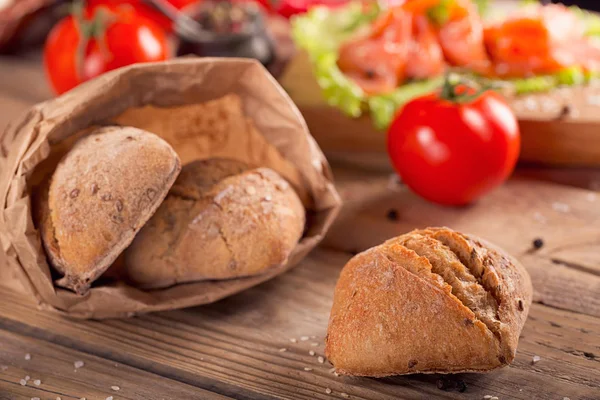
(483, 6)
(321, 32)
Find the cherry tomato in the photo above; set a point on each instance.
(452, 151)
(144, 9)
(81, 48)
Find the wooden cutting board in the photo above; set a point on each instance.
(562, 128)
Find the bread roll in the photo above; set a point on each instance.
(219, 221)
(430, 301)
(101, 193)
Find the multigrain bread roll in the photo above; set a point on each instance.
(100, 195)
(220, 220)
(430, 301)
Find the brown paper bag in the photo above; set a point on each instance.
(275, 135)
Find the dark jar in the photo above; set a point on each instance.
(233, 30)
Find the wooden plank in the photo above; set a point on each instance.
(585, 178)
(565, 272)
(236, 343)
(24, 79)
(23, 84)
(52, 372)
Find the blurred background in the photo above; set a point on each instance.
(247, 28)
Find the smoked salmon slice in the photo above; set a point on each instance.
(461, 39)
(425, 56)
(377, 63)
(404, 43)
(417, 39)
(540, 40)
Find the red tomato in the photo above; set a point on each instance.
(127, 39)
(144, 9)
(454, 152)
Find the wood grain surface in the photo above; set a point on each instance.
(56, 371)
(260, 344)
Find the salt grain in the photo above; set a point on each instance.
(109, 398)
(312, 353)
(591, 197)
(282, 350)
(561, 207)
(535, 359)
(23, 382)
(539, 217)
(37, 382)
(58, 398)
(304, 338)
(28, 356)
(35, 398)
(321, 360)
(566, 398)
(328, 391)
(293, 340)
(3, 367)
(487, 396)
(494, 398)
(78, 364)
(83, 398)
(345, 395)
(27, 378)
(115, 388)
(307, 369)
(314, 344)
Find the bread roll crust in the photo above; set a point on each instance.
(220, 221)
(430, 301)
(101, 193)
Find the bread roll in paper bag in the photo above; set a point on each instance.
(194, 104)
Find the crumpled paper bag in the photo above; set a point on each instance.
(275, 136)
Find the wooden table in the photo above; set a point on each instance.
(266, 343)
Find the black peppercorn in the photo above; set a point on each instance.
(370, 74)
(442, 384)
(392, 215)
(538, 243)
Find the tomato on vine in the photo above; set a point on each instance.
(92, 41)
(453, 146)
